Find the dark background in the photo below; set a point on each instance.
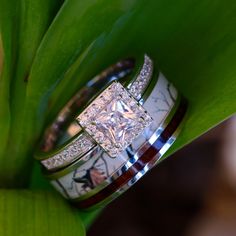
(190, 193)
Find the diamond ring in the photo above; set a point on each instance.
(130, 122)
(54, 156)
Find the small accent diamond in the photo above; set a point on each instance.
(74, 150)
(141, 82)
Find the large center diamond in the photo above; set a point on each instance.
(117, 121)
(114, 119)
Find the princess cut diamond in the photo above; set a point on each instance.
(117, 121)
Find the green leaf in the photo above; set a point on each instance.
(194, 46)
(23, 24)
(196, 49)
(8, 17)
(24, 212)
(194, 43)
(67, 40)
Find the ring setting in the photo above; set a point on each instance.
(114, 119)
(111, 133)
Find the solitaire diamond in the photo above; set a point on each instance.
(114, 122)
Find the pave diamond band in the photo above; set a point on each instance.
(77, 148)
(142, 81)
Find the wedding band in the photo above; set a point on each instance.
(117, 137)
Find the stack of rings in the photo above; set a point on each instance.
(111, 133)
